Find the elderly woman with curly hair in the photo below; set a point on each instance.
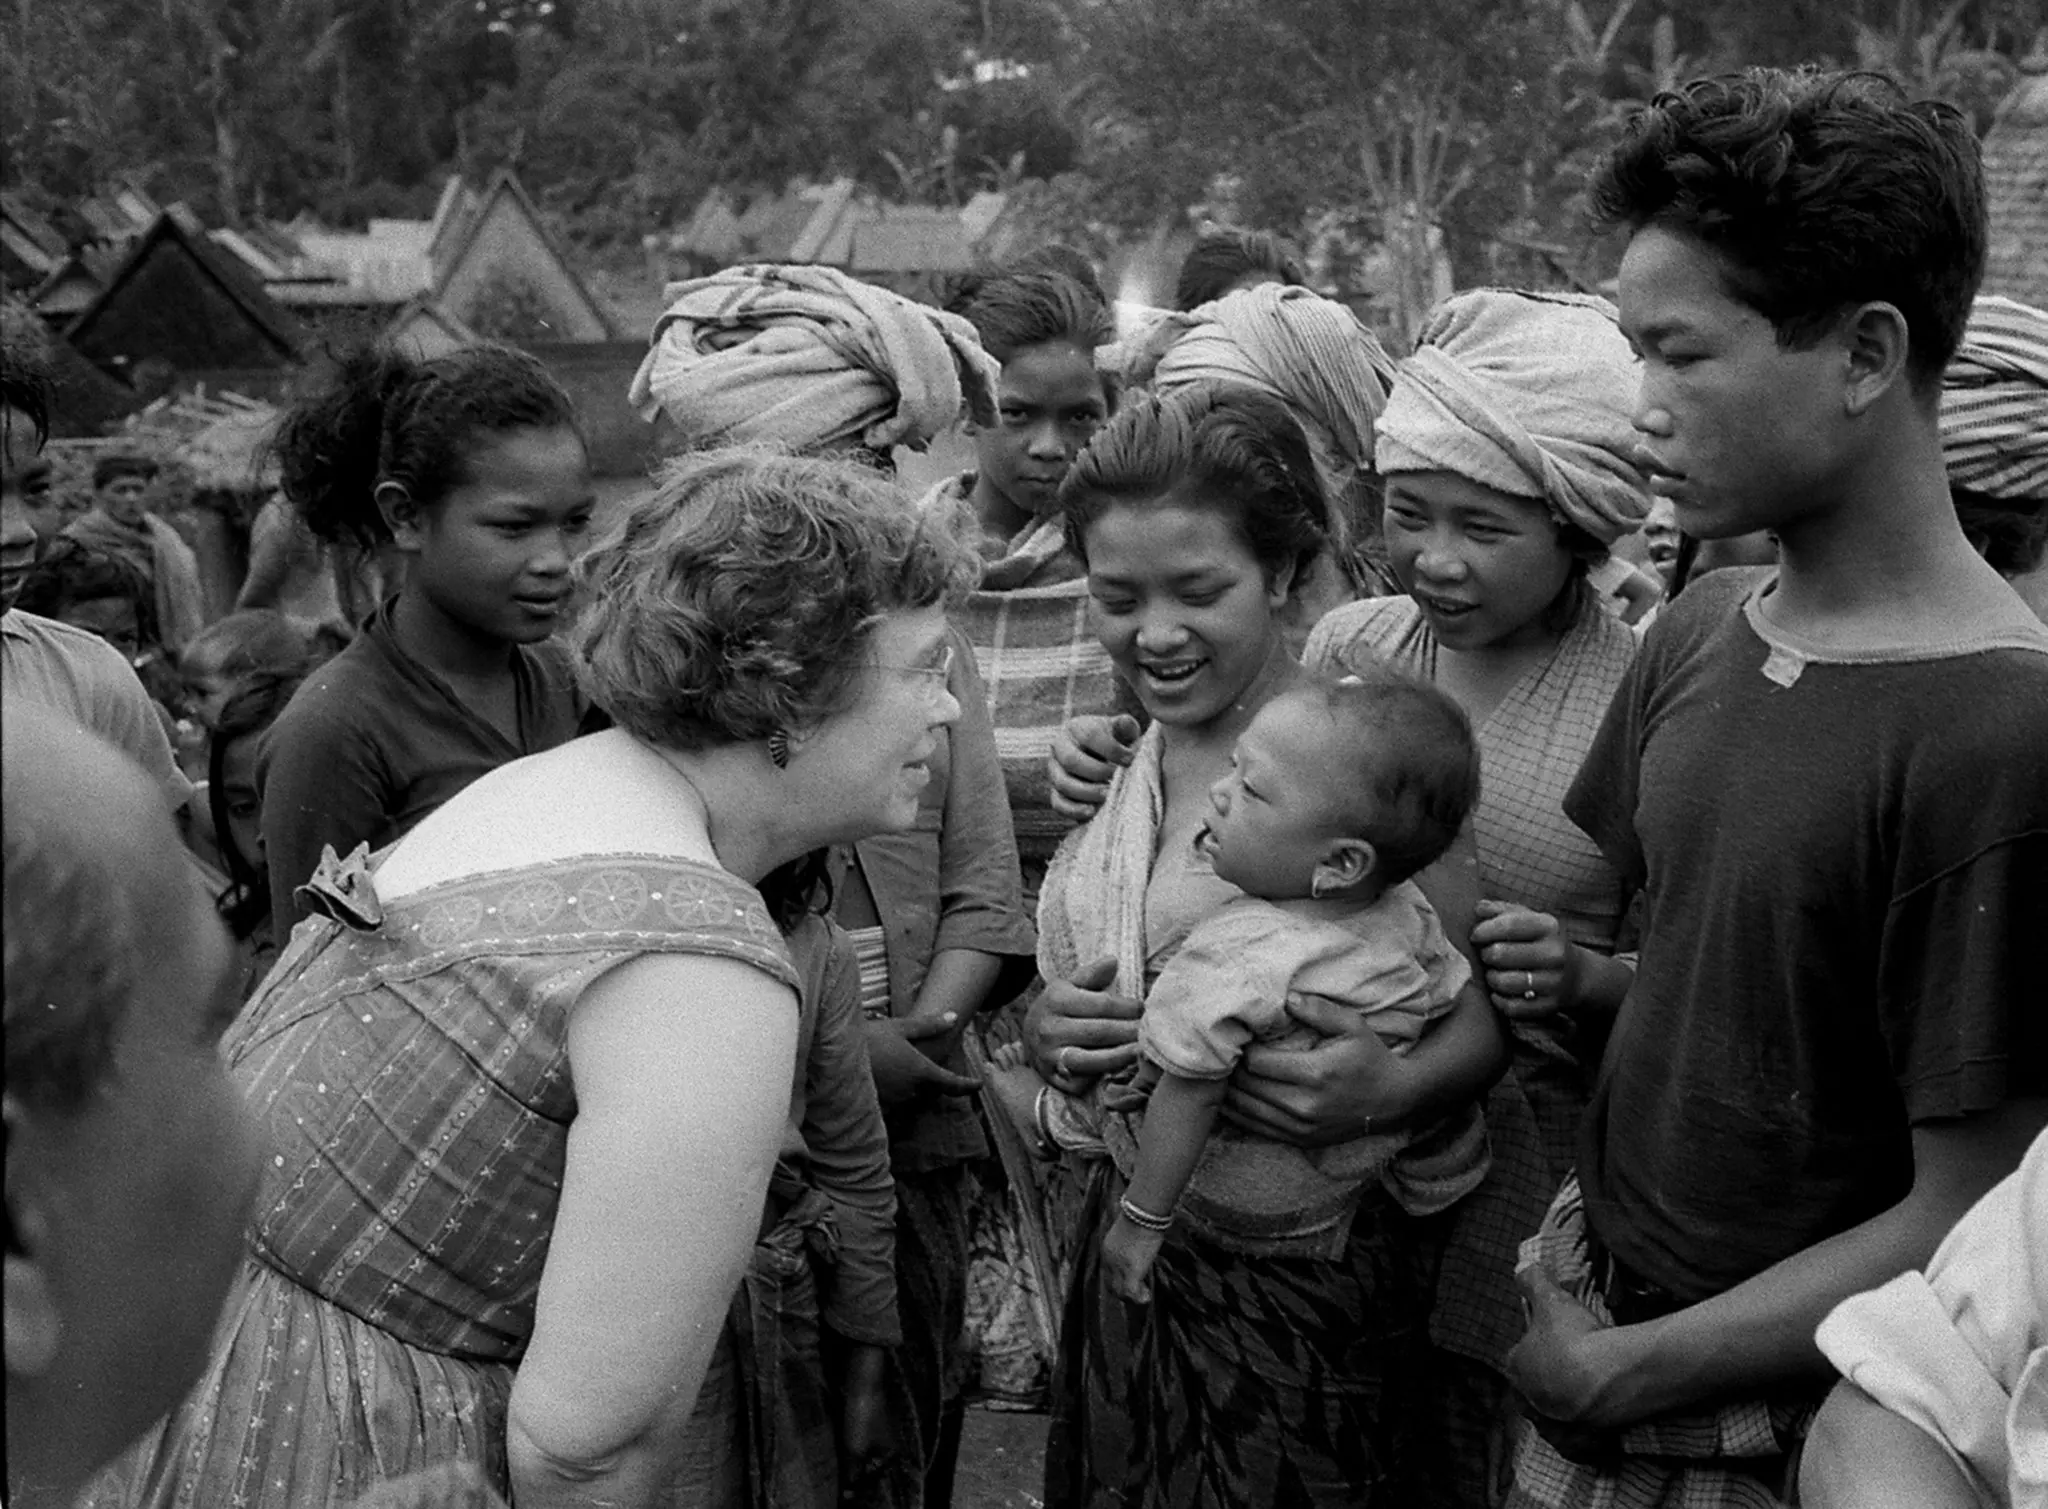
(526, 1078)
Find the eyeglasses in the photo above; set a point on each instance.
(935, 673)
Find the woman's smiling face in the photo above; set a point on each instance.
(1483, 565)
(1183, 606)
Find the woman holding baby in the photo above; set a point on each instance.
(1274, 1379)
(1251, 1378)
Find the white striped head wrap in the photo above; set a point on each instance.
(1309, 352)
(1994, 403)
(812, 358)
(1531, 394)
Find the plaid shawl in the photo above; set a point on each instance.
(1039, 659)
(1723, 1458)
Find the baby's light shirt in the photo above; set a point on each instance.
(1229, 984)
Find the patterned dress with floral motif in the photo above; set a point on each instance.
(409, 1071)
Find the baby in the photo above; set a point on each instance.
(1340, 792)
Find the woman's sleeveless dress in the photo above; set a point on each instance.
(409, 1069)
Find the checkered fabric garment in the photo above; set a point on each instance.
(1727, 1458)
(1041, 663)
(1530, 748)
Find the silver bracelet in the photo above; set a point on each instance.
(1142, 1218)
(1041, 1113)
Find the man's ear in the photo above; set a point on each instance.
(1877, 344)
(403, 515)
(1345, 863)
(34, 1322)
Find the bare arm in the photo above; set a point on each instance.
(270, 557)
(1859, 1455)
(322, 785)
(682, 1067)
(1761, 1332)
(958, 982)
(1178, 1120)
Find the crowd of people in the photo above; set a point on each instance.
(1480, 894)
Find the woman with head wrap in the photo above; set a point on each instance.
(1506, 454)
(1314, 356)
(810, 358)
(930, 919)
(1994, 440)
(1505, 450)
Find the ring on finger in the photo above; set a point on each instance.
(1529, 985)
(1064, 1066)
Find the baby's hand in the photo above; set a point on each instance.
(1127, 1255)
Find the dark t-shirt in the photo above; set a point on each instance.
(1844, 866)
(375, 741)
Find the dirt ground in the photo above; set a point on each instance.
(1002, 1457)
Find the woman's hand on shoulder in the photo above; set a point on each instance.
(1086, 755)
(1079, 1030)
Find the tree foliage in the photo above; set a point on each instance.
(1113, 117)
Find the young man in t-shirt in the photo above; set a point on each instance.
(1831, 782)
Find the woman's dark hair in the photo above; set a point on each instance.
(2010, 533)
(1222, 257)
(1819, 192)
(1236, 448)
(1576, 598)
(1017, 311)
(1056, 258)
(72, 573)
(382, 416)
(251, 709)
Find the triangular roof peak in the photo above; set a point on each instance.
(506, 196)
(180, 229)
(427, 330)
(453, 211)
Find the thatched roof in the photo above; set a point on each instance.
(2016, 184)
